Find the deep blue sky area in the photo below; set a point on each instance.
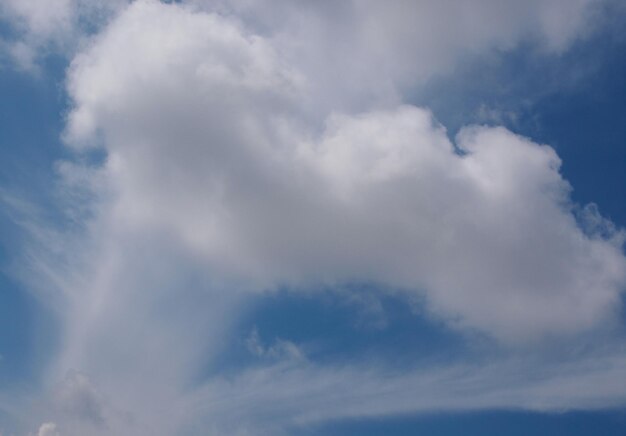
(32, 110)
(574, 102)
(340, 330)
(31, 121)
(484, 424)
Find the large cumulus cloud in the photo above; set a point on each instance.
(206, 142)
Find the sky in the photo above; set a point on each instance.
(273, 217)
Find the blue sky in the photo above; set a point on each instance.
(271, 217)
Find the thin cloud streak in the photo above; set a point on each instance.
(289, 395)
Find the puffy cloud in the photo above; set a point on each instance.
(412, 25)
(48, 429)
(395, 46)
(45, 18)
(56, 19)
(43, 26)
(206, 143)
(280, 349)
(76, 396)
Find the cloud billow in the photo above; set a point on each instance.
(200, 122)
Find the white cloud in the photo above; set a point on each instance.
(399, 42)
(208, 147)
(394, 46)
(50, 26)
(48, 429)
(280, 349)
(55, 19)
(76, 396)
(246, 153)
(41, 17)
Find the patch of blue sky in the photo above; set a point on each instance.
(31, 122)
(16, 335)
(28, 335)
(334, 327)
(498, 423)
